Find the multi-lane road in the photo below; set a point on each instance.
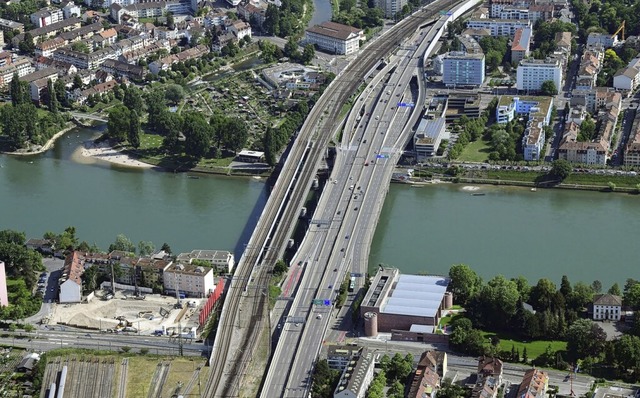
(338, 240)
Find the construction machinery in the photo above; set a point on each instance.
(620, 29)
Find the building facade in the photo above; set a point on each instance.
(335, 38)
(463, 69)
(498, 27)
(4, 298)
(532, 73)
(607, 307)
(188, 280)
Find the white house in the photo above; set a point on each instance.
(335, 38)
(46, 17)
(531, 73)
(71, 10)
(607, 307)
(219, 259)
(71, 279)
(190, 280)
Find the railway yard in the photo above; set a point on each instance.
(123, 313)
(120, 376)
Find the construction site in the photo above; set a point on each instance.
(121, 312)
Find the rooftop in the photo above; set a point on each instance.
(416, 295)
(335, 30)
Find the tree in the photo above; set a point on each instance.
(396, 390)
(237, 134)
(561, 169)
(19, 91)
(549, 88)
(542, 294)
(197, 133)
(52, 100)
(585, 338)
(170, 20)
(596, 286)
(615, 290)
(308, 54)
(565, 286)
(174, 94)
(291, 49)
(80, 47)
(271, 24)
(145, 248)
(465, 283)
(587, 130)
(118, 124)
(122, 243)
(134, 130)
(77, 81)
(90, 279)
(133, 100)
(61, 92)
(580, 297)
(166, 248)
(27, 45)
(631, 296)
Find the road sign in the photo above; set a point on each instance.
(318, 301)
(410, 104)
(356, 275)
(327, 303)
(401, 104)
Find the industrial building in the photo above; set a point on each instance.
(407, 306)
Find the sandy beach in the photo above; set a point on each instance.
(103, 151)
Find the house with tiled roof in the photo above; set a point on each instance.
(607, 307)
(432, 367)
(534, 384)
(520, 45)
(490, 367)
(71, 279)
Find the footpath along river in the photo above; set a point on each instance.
(512, 231)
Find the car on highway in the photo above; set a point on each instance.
(356, 209)
(366, 164)
(335, 270)
(318, 316)
(330, 287)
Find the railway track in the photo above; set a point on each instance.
(277, 220)
(122, 386)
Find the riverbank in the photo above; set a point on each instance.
(46, 146)
(103, 151)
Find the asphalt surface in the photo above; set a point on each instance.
(338, 240)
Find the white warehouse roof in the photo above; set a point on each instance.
(416, 295)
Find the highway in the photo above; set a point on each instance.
(244, 316)
(338, 240)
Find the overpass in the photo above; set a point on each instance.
(245, 313)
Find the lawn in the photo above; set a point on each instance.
(534, 348)
(476, 151)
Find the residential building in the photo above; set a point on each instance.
(21, 66)
(463, 69)
(221, 260)
(531, 73)
(335, 38)
(150, 9)
(165, 63)
(607, 307)
(534, 384)
(521, 44)
(7, 25)
(190, 280)
(151, 270)
(122, 69)
(603, 39)
(38, 82)
(46, 17)
(532, 13)
(499, 27)
(391, 7)
(81, 96)
(45, 32)
(563, 41)
(357, 376)
(339, 356)
(71, 10)
(83, 60)
(250, 13)
(534, 107)
(43, 246)
(47, 47)
(628, 79)
(6, 58)
(4, 298)
(63, 68)
(632, 149)
(490, 367)
(427, 138)
(71, 279)
(498, 5)
(239, 28)
(590, 66)
(533, 140)
(432, 367)
(595, 151)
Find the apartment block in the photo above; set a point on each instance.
(521, 44)
(498, 27)
(187, 279)
(531, 73)
(463, 69)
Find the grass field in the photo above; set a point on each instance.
(534, 348)
(476, 151)
(139, 375)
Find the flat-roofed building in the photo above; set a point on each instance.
(7, 25)
(189, 280)
(498, 27)
(46, 17)
(461, 69)
(391, 7)
(405, 301)
(334, 37)
(357, 375)
(339, 356)
(531, 73)
(427, 138)
(221, 260)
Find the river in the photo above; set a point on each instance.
(321, 12)
(51, 191)
(511, 231)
